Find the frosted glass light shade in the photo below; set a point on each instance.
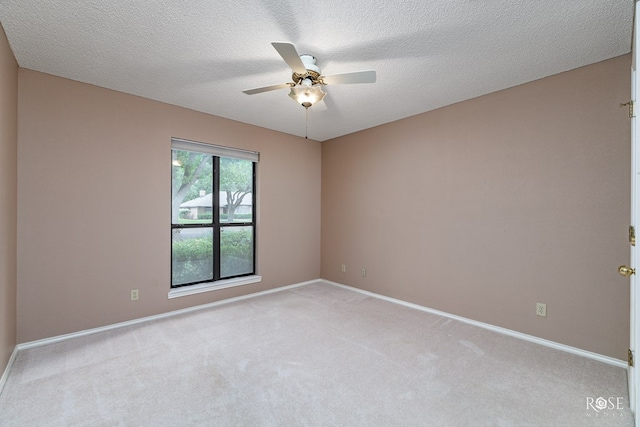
(306, 95)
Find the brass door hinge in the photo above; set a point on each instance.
(632, 235)
(630, 104)
(630, 358)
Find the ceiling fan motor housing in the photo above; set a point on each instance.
(313, 71)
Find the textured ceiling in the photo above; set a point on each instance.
(201, 54)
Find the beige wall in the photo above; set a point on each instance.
(94, 181)
(484, 208)
(480, 209)
(9, 198)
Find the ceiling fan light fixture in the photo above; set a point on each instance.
(307, 95)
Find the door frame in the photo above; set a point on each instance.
(634, 309)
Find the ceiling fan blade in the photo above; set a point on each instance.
(266, 88)
(290, 56)
(368, 76)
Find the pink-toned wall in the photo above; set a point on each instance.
(480, 209)
(485, 207)
(9, 198)
(94, 180)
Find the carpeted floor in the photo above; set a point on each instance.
(313, 355)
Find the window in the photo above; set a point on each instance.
(213, 211)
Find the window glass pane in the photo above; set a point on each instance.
(191, 187)
(236, 190)
(192, 255)
(236, 251)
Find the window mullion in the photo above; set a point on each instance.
(215, 211)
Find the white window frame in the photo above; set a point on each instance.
(219, 151)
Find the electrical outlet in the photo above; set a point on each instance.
(364, 272)
(344, 268)
(541, 309)
(134, 295)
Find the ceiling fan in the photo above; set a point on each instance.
(306, 87)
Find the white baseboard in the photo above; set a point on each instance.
(5, 374)
(511, 333)
(85, 332)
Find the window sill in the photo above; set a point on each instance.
(213, 286)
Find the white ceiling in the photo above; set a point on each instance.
(201, 54)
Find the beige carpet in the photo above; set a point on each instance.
(313, 355)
